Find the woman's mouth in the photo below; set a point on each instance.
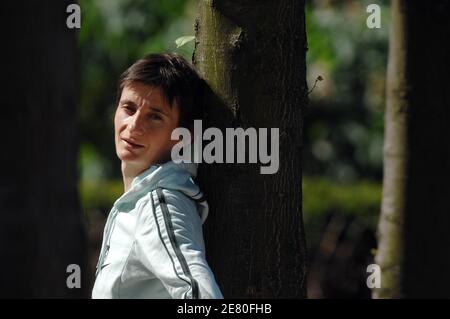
(130, 144)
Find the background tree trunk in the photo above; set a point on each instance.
(390, 229)
(414, 226)
(252, 55)
(40, 224)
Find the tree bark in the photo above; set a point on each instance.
(252, 56)
(414, 223)
(41, 229)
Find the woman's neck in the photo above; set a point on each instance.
(129, 172)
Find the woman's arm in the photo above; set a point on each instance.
(169, 242)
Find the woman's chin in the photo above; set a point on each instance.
(126, 156)
(135, 161)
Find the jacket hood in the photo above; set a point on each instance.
(169, 175)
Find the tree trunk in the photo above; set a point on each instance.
(390, 229)
(415, 219)
(40, 223)
(252, 56)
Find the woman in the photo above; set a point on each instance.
(153, 243)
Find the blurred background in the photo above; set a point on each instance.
(343, 125)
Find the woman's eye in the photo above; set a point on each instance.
(128, 109)
(155, 117)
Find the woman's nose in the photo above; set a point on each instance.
(136, 126)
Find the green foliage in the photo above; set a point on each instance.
(100, 194)
(183, 40)
(323, 197)
(344, 122)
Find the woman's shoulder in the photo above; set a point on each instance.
(174, 201)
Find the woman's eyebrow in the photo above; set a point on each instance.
(127, 102)
(153, 108)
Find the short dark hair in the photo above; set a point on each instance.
(175, 76)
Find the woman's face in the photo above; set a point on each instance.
(143, 124)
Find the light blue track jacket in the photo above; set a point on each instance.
(153, 241)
